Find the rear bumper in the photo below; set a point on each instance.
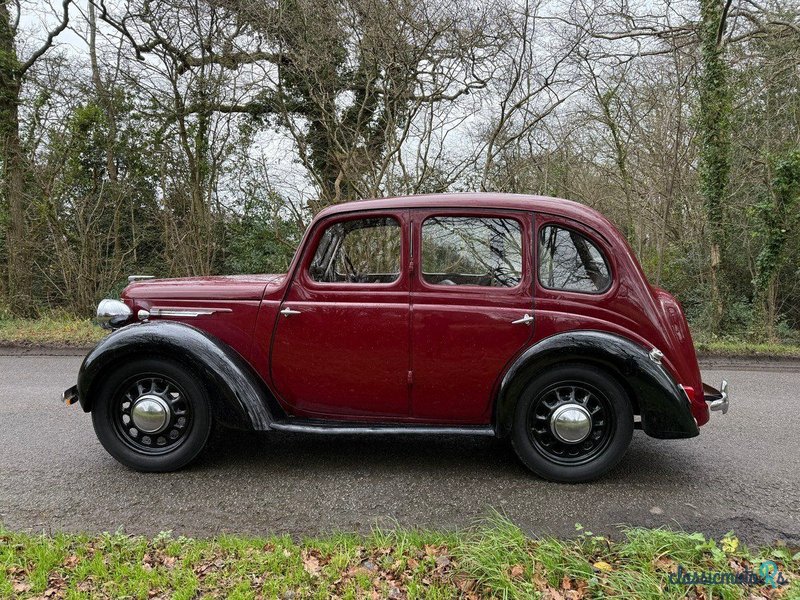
(717, 399)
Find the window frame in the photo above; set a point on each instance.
(544, 222)
(523, 218)
(312, 245)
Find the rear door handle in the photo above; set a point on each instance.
(287, 312)
(525, 320)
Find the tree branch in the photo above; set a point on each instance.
(51, 36)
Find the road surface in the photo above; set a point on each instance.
(742, 473)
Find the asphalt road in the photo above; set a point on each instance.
(742, 473)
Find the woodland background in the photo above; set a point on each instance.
(188, 137)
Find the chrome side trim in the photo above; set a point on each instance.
(132, 278)
(185, 311)
(381, 430)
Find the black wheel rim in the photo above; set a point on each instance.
(545, 440)
(158, 387)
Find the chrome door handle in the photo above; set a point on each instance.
(286, 312)
(526, 320)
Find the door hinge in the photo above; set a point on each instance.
(410, 377)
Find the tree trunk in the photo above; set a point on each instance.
(19, 282)
(715, 141)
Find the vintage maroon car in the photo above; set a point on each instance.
(482, 314)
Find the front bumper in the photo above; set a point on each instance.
(717, 399)
(70, 396)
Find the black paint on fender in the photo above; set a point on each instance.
(244, 400)
(662, 403)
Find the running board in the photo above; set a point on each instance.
(378, 429)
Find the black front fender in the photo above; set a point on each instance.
(246, 400)
(662, 403)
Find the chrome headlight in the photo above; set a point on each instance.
(112, 314)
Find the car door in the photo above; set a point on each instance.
(471, 308)
(341, 347)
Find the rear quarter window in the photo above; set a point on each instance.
(571, 262)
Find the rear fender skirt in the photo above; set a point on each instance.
(244, 400)
(664, 407)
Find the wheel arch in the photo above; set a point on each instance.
(239, 397)
(661, 402)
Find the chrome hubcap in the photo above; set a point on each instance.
(150, 414)
(571, 423)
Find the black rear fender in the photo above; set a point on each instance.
(661, 402)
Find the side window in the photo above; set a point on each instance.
(360, 251)
(569, 261)
(472, 251)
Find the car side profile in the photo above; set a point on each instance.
(523, 317)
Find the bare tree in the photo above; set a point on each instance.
(13, 71)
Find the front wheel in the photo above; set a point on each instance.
(572, 424)
(152, 415)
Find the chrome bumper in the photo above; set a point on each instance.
(717, 400)
(70, 396)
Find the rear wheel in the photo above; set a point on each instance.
(572, 424)
(152, 415)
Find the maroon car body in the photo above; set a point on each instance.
(342, 347)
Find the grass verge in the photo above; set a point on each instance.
(495, 560)
(741, 348)
(50, 331)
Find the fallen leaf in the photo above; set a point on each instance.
(539, 581)
(21, 588)
(517, 571)
(395, 593)
(553, 594)
(566, 583)
(601, 565)
(147, 562)
(464, 583)
(730, 544)
(71, 561)
(169, 561)
(662, 563)
(412, 563)
(311, 563)
(442, 562)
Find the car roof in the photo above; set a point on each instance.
(543, 204)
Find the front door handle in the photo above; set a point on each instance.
(526, 320)
(287, 312)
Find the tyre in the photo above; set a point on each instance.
(572, 424)
(152, 415)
